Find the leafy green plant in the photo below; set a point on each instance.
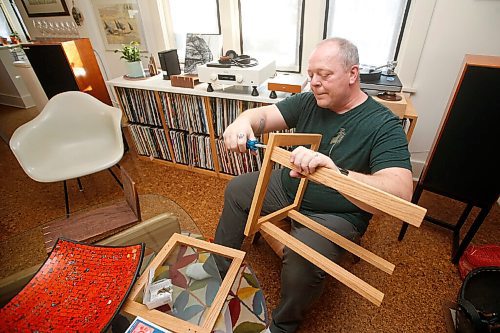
(130, 52)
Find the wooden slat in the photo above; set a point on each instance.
(273, 243)
(277, 215)
(295, 139)
(130, 192)
(378, 199)
(343, 242)
(347, 278)
(211, 131)
(221, 297)
(277, 139)
(258, 197)
(90, 226)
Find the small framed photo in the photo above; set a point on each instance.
(37, 8)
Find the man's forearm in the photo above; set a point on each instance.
(263, 119)
(397, 181)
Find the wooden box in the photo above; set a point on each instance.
(397, 107)
(292, 83)
(184, 80)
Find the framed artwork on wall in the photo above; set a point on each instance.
(38, 8)
(119, 23)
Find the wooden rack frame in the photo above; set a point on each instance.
(170, 322)
(352, 189)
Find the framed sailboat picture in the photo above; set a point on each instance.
(119, 23)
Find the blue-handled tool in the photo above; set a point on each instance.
(254, 144)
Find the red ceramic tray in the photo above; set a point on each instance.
(80, 287)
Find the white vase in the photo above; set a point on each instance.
(134, 69)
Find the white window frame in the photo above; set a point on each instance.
(295, 68)
(172, 41)
(394, 43)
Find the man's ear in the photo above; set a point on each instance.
(353, 74)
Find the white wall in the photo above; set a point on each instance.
(438, 35)
(457, 27)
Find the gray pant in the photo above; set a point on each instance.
(301, 281)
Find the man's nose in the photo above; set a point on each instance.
(315, 80)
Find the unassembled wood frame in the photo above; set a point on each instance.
(173, 323)
(352, 189)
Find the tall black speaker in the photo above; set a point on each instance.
(169, 62)
(462, 163)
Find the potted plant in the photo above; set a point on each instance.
(131, 53)
(14, 37)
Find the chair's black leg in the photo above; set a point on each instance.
(80, 187)
(116, 178)
(416, 196)
(125, 143)
(66, 198)
(458, 226)
(402, 232)
(470, 234)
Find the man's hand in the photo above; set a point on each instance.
(306, 161)
(237, 134)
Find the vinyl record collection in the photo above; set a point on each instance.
(139, 105)
(150, 141)
(186, 127)
(185, 112)
(235, 163)
(225, 111)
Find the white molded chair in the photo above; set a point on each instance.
(75, 135)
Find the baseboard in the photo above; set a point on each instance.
(417, 167)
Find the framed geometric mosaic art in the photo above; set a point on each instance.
(134, 305)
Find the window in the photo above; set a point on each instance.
(193, 16)
(5, 28)
(270, 32)
(374, 26)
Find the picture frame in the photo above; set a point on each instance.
(133, 307)
(119, 23)
(39, 8)
(201, 49)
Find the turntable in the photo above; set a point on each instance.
(383, 83)
(234, 75)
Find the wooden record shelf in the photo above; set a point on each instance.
(182, 127)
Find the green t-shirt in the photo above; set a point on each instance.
(365, 139)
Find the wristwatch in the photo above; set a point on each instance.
(345, 172)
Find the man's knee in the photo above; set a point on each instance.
(299, 273)
(241, 188)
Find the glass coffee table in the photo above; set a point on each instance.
(244, 307)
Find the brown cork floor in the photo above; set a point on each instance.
(424, 278)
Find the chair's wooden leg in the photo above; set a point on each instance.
(80, 186)
(66, 198)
